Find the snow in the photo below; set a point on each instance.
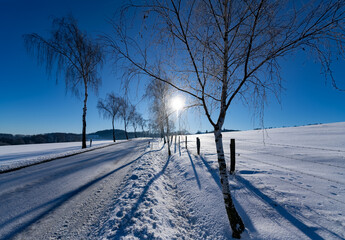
(16, 156)
(289, 184)
(67, 197)
(148, 206)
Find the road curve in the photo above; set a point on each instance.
(65, 198)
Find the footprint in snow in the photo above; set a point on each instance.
(134, 177)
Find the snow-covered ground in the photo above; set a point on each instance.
(15, 156)
(289, 184)
(67, 197)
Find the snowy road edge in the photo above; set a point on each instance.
(61, 155)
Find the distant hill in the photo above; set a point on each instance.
(119, 134)
(9, 139)
(224, 130)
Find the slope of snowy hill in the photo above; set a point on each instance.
(289, 184)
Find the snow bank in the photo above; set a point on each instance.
(148, 206)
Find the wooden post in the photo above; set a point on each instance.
(198, 145)
(232, 156)
(169, 144)
(186, 141)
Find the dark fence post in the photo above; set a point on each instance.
(186, 141)
(198, 145)
(232, 156)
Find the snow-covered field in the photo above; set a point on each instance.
(289, 184)
(15, 156)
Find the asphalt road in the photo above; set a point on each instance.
(65, 198)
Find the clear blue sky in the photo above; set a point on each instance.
(32, 103)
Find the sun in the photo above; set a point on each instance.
(177, 103)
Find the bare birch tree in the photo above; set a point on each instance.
(72, 53)
(126, 112)
(219, 50)
(109, 108)
(158, 91)
(142, 123)
(135, 120)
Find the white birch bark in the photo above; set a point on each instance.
(235, 220)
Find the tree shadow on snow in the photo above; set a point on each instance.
(194, 170)
(308, 231)
(66, 167)
(250, 172)
(128, 217)
(44, 209)
(215, 175)
(214, 172)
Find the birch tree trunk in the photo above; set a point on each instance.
(126, 130)
(162, 131)
(84, 119)
(113, 128)
(235, 220)
(168, 132)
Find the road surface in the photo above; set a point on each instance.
(65, 198)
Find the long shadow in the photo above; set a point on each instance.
(54, 204)
(127, 218)
(56, 158)
(213, 172)
(308, 231)
(152, 151)
(242, 212)
(66, 167)
(195, 172)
